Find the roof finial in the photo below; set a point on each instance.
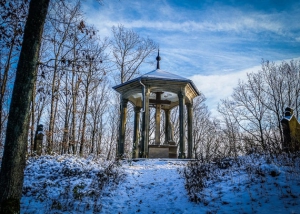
(158, 59)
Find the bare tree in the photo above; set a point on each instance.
(113, 124)
(63, 61)
(247, 110)
(92, 77)
(129, 50)
(62, 19)
(98, 114)
(230, 129)
(255, 109)
(201, 121)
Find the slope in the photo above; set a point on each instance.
(67, 184)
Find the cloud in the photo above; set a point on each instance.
(217, 87)
(213, 19)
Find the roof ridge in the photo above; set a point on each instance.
(168, 76)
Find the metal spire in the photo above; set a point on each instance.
(158, 59)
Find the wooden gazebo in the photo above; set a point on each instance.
(163, 91)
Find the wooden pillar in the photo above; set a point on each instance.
(145, 126)
(157, 125)
(123, 109)
(157, 119)
(167, 123)
(135, 148)
(181, 97)
(190, 129)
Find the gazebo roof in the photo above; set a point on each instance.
(159, 74)
(158, 81)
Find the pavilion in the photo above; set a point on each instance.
(163, 91)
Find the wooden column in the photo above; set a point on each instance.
(157, 125)
(181, 97)
(135, 148)
(190, 129)
(145, 126)
(167, 123)
(123, 109)
(157, 118)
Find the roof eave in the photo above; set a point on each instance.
(162, 79)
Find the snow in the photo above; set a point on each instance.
(161, 74)
(151, 186)
(288, 117)
(253, 187)
(68, 184)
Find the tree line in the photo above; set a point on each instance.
(252, 115)
(250, 119)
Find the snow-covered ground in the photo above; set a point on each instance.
(66, 184)
(151, 186)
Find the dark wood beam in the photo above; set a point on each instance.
(154, 101)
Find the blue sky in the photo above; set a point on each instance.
(214, 43)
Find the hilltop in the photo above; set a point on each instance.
(249, 184)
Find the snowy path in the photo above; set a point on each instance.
(151, 186)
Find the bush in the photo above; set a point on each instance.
(68, 183)
(208, 182)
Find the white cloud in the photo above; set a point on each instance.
(228, 19)
(217, 87)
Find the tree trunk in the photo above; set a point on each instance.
(82, 142)
(52, 111)
(93, 136)
(73, 125)
(32, 119)
(75, 86)
(75, 92)
(65, 134)
(13, 162)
